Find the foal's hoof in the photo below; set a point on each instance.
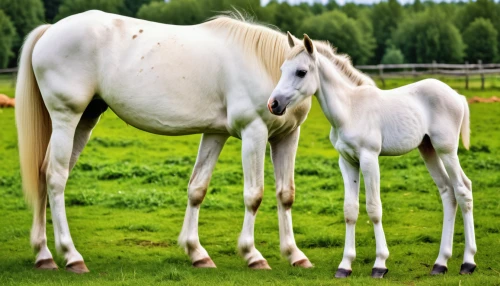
(46, 264)
(379, 272)
(303, 263)
(439, 269)
(261, 264)
(343, 273)
(77, 267)
(467, 268)
(204, 263)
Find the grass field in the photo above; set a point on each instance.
(127, 195)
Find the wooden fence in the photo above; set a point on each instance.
(451, 70)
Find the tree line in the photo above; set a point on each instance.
(387, 32)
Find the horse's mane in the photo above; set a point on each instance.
(271, 46)
(267, 45)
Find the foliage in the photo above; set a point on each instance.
(429, 36)
(25, 15)
(51, 9)
(178, 12)
(481, 40)
(393, 56)
(70, 7)
(385, 18)
(343, 32)
(287, 17)
(7, 36)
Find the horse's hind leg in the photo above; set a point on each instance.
(463, 193)
(440, 177)
(208, 153)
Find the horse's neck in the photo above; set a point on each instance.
(334, 93)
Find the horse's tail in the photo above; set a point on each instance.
(33, 122)
(465, 127)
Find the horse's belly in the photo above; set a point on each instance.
(161, 115)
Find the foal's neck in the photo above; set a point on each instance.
(334, 93)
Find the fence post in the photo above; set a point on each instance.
(480, 64)
(413, 71)
(466, 75)
(381, 74)
(434, 68)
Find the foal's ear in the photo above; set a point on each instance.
(291, 42)
(308, 44)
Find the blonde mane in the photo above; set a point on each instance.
(271, 46)
(341, 61)
(267, 45)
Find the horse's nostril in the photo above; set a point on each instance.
(274, 104)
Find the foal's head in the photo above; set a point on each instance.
(299, 76)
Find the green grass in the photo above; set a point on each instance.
(127, 195)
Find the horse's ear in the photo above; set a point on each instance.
(291, 43)
(308, 44)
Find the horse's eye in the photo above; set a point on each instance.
(301, 73)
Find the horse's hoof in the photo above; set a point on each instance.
(467, 268)
(77, 267)
(260, 264)
(46, 264)
(379, 272)
(343, 273)
(204, 263)
(303, 263)
(439, 269)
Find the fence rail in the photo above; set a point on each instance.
(452, 70)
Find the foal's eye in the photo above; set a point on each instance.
(301, 73)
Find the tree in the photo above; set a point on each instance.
(51, 9)
(486, 9)
(70, 7)
(385, 19)
(343, 32)
(429, 36)
(7, 36)
(287, 17)
(393, 56)
(131, 7)
(178, 12)
(481, 40)
(25, 15)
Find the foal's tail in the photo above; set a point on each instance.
(33, 122)
(465, 128)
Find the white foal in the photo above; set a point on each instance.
(367, 123)
(213, 78)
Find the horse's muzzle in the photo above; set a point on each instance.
(276, 108)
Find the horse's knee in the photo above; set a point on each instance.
(351, 211)
(196, 194)
(253, 198)
(464, 198)
(286, 196)
(374, 210)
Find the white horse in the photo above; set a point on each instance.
(367, 123)
(213, 78)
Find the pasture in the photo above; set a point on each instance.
(127, 195)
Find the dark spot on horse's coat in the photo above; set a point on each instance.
(355, 181)
(140, 70)
(140, 31)
(152, 67)
(183, 77)
(158, 43)
(134, 36)
(142, 58)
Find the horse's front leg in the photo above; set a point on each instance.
(283, 155)
(254, 140)
(371, 174)
(350, 174)
(210, 147)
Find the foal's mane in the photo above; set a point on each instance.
(271, 46)
(341, 61)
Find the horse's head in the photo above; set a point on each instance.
(299, 76)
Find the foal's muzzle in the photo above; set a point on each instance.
(276, 107)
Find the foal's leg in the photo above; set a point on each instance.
(463, 193)
(350, 174)
(283, 156)
(254, 140)
(208, 153)
(38, 234)
(440, 177)
(371, 174)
